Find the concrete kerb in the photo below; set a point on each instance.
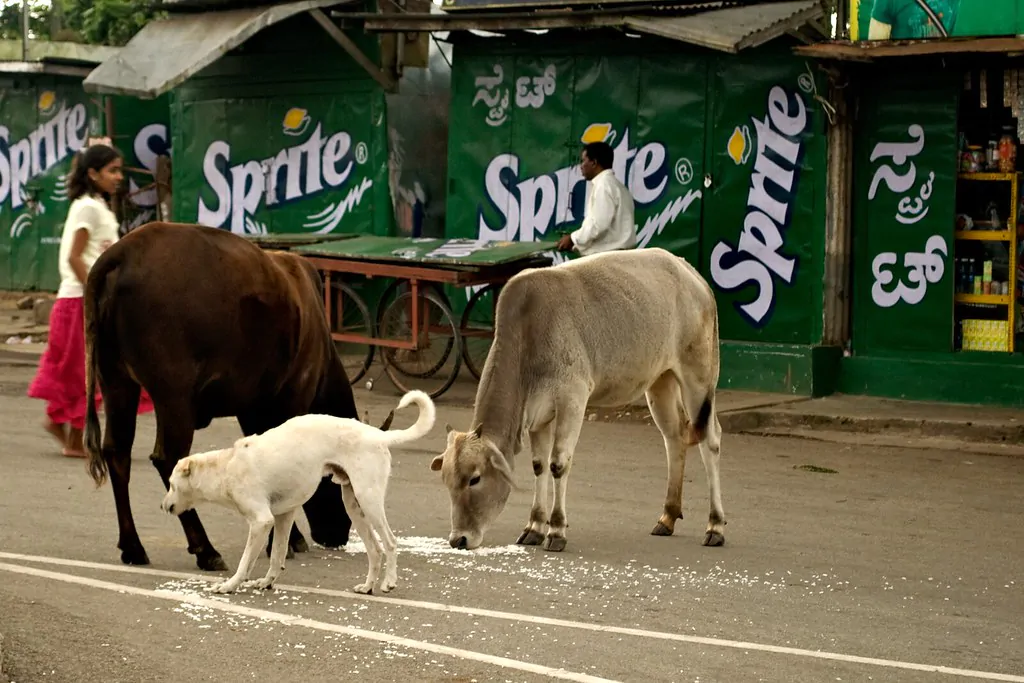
(834, 418)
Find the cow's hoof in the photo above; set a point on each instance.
(299, 546)
(331, 541)
(555, 544)
(211, 562)
(530, 537)
(714, 539)
(661, 530)
(136, 556)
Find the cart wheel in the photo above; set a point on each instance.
(355, 357)
(439, 344)
(392, 289)
(477, 328)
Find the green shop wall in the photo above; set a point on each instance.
(142, 133)
(724, 156)
(903, 262)
(286, 134)
(44, 120)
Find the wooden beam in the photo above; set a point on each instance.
(855, 51)
(387, 82)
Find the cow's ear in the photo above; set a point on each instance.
(435, 464)
(478, 431)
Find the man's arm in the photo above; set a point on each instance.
(597, 221)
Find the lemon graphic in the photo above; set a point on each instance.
(296, 120)
(598, 132)
(739, 145)
(47, 100)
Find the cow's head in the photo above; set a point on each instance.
(479, 481)
(181, 492)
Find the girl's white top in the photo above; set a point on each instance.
(93, 214)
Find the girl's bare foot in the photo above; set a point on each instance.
(74, 447)
(56, 431)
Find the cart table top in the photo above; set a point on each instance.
(286, 240)
(457, 253)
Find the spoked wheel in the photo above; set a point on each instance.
(396, 287)
(349, 315)
(477, 328)
(434, 365)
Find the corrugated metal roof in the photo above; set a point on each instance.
(463, 6)
(166, 52)
(734, 28)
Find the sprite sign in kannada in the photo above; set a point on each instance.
(732, 182)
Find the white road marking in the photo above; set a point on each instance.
(294, 620)
(562, 623)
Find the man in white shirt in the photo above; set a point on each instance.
(608, 221)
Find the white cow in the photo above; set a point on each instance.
(602, 330)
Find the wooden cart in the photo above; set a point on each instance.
(421, 345)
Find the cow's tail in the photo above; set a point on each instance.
(91, 302)
(424, 423)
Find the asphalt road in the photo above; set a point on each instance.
(896, 563)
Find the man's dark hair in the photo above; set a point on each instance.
(601, 153)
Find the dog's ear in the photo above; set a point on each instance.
(448, 429)
(386, 425)
(478, 431)
(186, 468)
(435, 464)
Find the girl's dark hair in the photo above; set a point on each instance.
(95, 157)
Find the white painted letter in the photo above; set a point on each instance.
(337, 149)
(218, 183)
(503, 200)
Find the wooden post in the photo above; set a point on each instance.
(838, 223)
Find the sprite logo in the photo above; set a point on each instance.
(304, 170)
(758, 258)
(530, 207)
(63, 132)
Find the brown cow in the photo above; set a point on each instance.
(211, 326)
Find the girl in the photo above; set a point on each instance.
(89, 229)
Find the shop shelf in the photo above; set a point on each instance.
(995, 299)
(985, 235)
(989, 177)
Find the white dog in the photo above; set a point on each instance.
(268, 477)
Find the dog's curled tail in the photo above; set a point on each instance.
(424, 423)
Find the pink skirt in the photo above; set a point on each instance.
(60, 380)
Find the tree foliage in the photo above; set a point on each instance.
(98, 22)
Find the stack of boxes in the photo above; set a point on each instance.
(985, 335)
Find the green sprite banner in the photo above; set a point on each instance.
(142, 133)
(518, 125)
(919, 19)
(300, 163)
(904, 194)
(764, 215)
(724, 158)
(42, 125)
